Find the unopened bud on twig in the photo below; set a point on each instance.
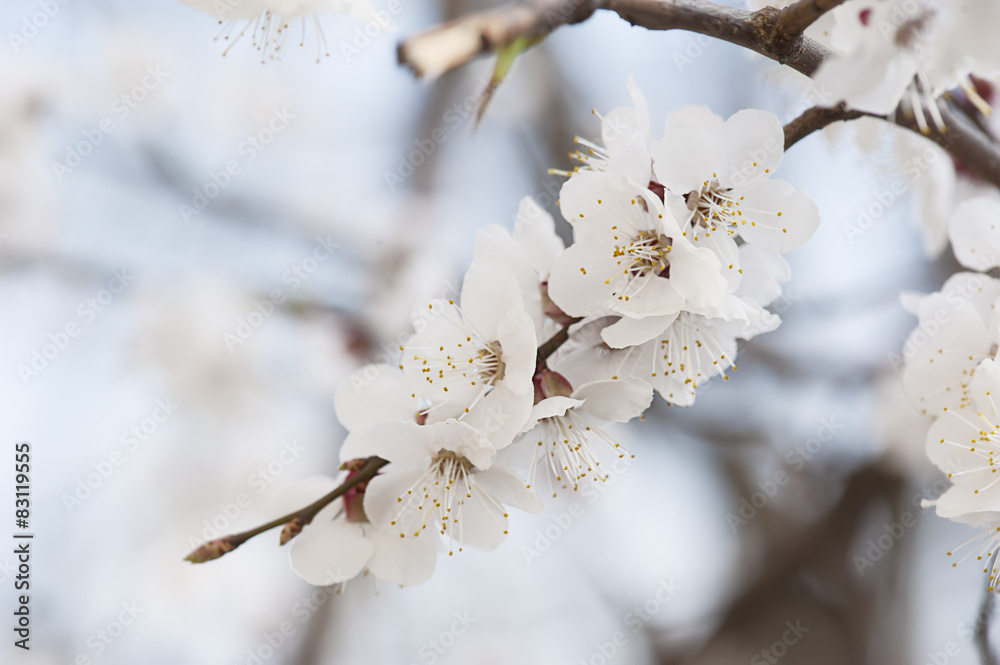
(292, 529)
(213, 549)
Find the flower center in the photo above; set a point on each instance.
(438, 496)
(472, 363)
(565, 449)
(713, 207)
(644, 254)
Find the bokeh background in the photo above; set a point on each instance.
(245, 420)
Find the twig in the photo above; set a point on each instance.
(816, 118)
(553, 343)
(453, 44)
(796, 18)
(963, 139)
(222, 546)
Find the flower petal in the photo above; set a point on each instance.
(690, 151)
(374, 394)
(627, 332)
(330, 552)
(778, 217)
(974, 231)
(753, 143)
(499, 417)
(617, 400)
(516, 335)
(403, 561)
(535, 234)
(397, 441)
(387, 495)
(489, 292)
(548, 407)
(506, 486)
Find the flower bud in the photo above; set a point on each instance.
(292, 529)
(212, 550)
(550, 384)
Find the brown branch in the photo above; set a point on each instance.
(795, 19)
(756, 31)
(963, 139)
(222, 546)
(769, 32)
(553, 343)
(816, 118)
(455, 43)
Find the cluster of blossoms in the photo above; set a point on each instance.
(912, 50)
(676, 255)
(910, 57)
(501, 395)
(909, 51)
(952, 375)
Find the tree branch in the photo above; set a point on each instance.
(795, 19)
(818, 117)
(756, 31)
(449, 46)
(553, 343)
(963, 139)
(222, 546)
(769, 32)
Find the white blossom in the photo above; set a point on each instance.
(910, 51)
(625, 144)
(563, 436)
(530, 252)
(957, 330)
(629, 258)
(718, 180)
(475, 362)
(441, 475)
(974, 231)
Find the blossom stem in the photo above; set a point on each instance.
(553, 343)
(818, 117)
(222, 546)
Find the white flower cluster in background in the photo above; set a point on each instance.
(910, 51)
(268, 23)
(952, 376)
(502, 394)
